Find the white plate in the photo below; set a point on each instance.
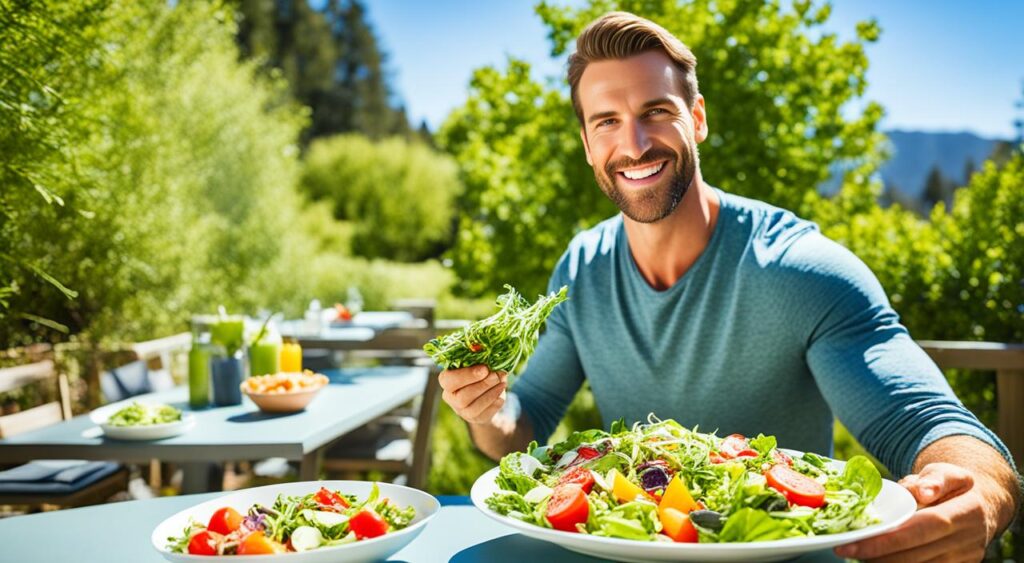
(893, 506)
(101, 415)
(376, 549)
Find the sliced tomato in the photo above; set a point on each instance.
(368, 524)
(258, 544)
(580, 476)
(796, 487)
(225, 521)
(330, 499)
(567, 507)
(677, 525)
(587, 452)
(204, 543)
(716, 458)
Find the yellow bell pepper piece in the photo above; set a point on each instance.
(677, 496)
(623, 490)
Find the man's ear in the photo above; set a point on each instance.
(700, 120)
(586, 146)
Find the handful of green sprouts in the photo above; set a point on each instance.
(500, 341)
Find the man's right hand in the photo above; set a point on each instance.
(475, 393)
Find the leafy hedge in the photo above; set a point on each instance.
(399, 194)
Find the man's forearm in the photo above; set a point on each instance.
(508, 431)
(992, 473)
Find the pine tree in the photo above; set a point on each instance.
(331, 59)
(937, 188)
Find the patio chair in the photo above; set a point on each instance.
(55, 482)
(397, 444)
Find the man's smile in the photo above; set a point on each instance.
(643, 175)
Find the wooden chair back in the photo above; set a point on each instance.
(37, 417)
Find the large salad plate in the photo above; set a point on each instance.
(893, 505)
(101, 417)
(375, 549)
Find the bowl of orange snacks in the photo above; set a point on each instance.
(285, 391)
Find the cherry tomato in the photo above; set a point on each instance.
(580, 476)
(258, 544)
(781, 457)
(367, 524)
(330, 499)
(476, 347)
(204, 543)
(567, 507)
(225, 521)
(796, 487)
(736, 446)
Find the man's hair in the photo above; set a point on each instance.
(620, 35)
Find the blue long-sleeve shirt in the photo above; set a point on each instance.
(774, 329)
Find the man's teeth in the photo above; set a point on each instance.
(643, 172)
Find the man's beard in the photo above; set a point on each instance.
(652, 203)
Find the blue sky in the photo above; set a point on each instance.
(940, 65)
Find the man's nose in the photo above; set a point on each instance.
(636, 141)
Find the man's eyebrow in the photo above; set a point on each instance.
(602, 115)
(658, 102)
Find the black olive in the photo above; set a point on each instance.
(775, 503)
(707, 519)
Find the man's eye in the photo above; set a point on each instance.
(608, 121)
(656, 111)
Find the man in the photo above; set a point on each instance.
(732, 314)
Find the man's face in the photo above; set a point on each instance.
(640, 137)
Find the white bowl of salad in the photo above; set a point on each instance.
(139, 420)
(662, 492)
(306, 522)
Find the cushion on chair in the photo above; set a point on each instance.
(54, 476)
(126, 381)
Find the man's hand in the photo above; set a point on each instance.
(475, 393)
(956, 519)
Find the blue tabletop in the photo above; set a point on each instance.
(353, 398)
(120, 532)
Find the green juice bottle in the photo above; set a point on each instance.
(265, 353)
(199, 375)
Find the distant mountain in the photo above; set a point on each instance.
(914, 153)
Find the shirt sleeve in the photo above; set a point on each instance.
(877, 380)
(554, 373)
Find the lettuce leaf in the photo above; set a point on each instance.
(750, 524)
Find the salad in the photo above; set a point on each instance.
(321, 519)
(502, 340)
(140, 414)
(662, 482)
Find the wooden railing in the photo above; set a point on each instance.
(1007, 360)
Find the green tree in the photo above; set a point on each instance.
(775, 86)
(331, 59)
(399, 194)
(45, 60)
(175, 164)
